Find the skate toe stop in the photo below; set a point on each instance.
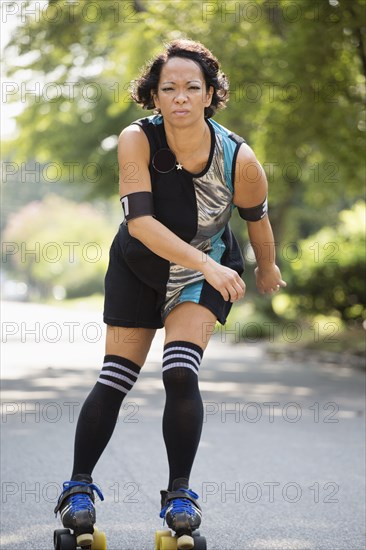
(185, 542)
(84, 540)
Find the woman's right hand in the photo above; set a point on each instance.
(224, 279)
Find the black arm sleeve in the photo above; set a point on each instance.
(255, 213)
(138, 204)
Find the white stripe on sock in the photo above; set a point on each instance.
(118, 376)
(113, 385)
(182, 356)
(181, 348)
(121, 367)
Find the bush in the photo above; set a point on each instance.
(58, 247)
(328, 275)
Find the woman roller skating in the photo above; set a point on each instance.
(174, 263)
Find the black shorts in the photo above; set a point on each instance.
(135, 284)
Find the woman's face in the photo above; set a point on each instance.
(182, 95)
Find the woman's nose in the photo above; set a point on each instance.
(180, 96)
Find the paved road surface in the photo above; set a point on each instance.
(280, 466)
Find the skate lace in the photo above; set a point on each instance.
(179, 505)
(81, 501)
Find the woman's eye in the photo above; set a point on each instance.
(169, 89)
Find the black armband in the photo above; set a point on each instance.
(255, 213)
(137, 204)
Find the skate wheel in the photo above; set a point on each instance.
(168, 543)
(99, 540)
(66, 541)
(195, 534)
(185, 542)
(158, 537)
(56, 535)
(200, 543)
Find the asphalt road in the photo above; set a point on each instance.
(281, 463)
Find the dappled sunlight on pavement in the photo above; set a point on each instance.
(281, 460)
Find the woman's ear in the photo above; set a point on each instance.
(155, 99)
(209, 95)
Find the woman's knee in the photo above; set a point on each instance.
(190, 322)
(132, 343)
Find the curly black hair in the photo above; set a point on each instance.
(147, 84)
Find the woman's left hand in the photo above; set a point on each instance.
(269, 280)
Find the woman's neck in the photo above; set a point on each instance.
(186, 141)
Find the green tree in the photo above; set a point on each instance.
(297, 72)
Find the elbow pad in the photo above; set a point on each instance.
(137, 204)
(255, 213)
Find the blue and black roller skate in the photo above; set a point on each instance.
(77, 511)
(183, 515)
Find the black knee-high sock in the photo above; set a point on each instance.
(183, 413)
(99, 412)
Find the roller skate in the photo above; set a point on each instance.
(182, 514)
(77, 511)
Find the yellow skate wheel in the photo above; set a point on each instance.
(159, 535)
(99, 540)
(185, 542)
(168, 543)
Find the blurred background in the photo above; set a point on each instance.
(297, 75)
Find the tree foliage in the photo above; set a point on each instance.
(297, 72)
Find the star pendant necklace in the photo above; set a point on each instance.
(178, 165)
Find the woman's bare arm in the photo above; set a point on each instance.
(251, 189)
